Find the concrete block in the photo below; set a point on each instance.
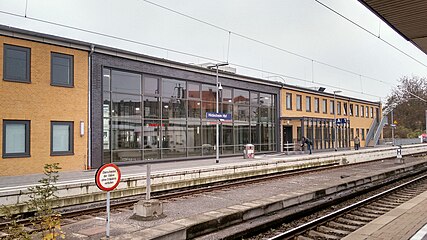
(148, 208)
(290, 202)
(172, 231)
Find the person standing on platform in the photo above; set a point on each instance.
(308, 142)
(356, 143)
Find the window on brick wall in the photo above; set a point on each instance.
(16, 63)
(62, 70)
(16, 138)
(62, 141)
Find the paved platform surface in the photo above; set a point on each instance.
(407, 221)
(14, 181)
(188, 210)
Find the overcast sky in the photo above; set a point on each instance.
(303, 27)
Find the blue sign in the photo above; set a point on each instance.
(341, 121)
(214, 115)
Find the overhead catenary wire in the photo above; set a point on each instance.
(180, 52)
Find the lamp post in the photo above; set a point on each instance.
(218, 88)
(335, 121)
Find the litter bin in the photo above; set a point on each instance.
(249, 151)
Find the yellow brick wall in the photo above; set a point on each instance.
(355, 122)
(42, 103)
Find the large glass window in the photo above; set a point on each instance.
(345, 109)
(241, 96)
(16, 65)
(356, 113)
(289, 101)
(362, 111)
(62, 141)
(339, 108)
(332, 107)
(16, 138)
(174, 89)
(62, 70)
(151, 117)
(125, 82)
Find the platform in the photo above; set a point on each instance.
(407, 221)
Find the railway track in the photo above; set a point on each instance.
(346, 220)
(70, 214)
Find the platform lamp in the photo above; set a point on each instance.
(218, 88)
(335, 120)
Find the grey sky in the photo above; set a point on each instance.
(301, 26)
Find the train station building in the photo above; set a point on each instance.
(82, 105)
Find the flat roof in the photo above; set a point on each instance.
(406, 17)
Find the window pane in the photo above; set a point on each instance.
(254, 98)
(106, 104)
(209, 93)
(151, 107)
(174, 108)
(194, 109)
(61, 138)
(125, 82)
(174, 89)
(209, 138)
(193, 90)
(241, 133)
(62, 67)
(227, 137)
(126, 134)
(241, 96)
(208, 107)
(289, 101)
(16, 63)
(194, 137)
(308, 104)
(241, 113)
(151, 134)
(265, 100)
(15, 138)
(126, 105)
(127, 156)
(299, 102)
(174, 134)
(151, 85)
(227, 95)
(106, 76)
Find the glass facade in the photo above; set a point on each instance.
(152, 117)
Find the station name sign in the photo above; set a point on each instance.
(214, 115)
(341, 120)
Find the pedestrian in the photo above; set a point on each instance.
(356, 143)
(308, 142)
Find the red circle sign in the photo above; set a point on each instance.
(107, 177)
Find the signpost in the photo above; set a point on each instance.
(107, 178)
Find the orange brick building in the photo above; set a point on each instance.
(43, 106)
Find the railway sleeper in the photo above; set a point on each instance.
(358, 218)
(350, 221)
(342, 226)
(366, 214)
(372, 211)
(383, 206)
(303, 238)
(378, 208)
(388, 202)
(334, 231)
(317, 235)
(399, 199)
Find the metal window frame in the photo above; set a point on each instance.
(54, 55)
(70, 138)
(7, 47)
(27, 124)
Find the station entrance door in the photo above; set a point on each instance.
(287, 138)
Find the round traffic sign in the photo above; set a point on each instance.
(107, 177)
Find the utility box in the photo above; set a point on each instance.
(249, 151)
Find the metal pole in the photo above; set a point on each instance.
(217, 110)
(108, 215)
(392, 128)
(148, 183)
(335, 124)
(426, 121)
